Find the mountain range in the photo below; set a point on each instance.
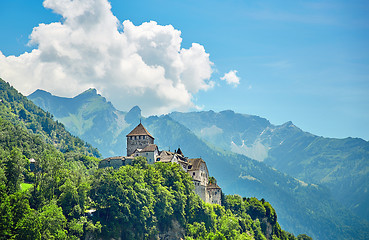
(317, 185)
(342, 165)
(49, 179)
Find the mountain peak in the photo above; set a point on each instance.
(289, 124)
(135, 109)
(91, 90)
(88, 92)
(39, 92)
(227, 112)
(134, 115)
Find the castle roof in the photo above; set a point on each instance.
(166, 159)
(195, 164)
(166, 156)
(179, 151)
(140, 130)
(166, 153)
(213, 186)
(150, 148)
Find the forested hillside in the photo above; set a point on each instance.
(22, 112)
(62, 194)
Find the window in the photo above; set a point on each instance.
(193, 173)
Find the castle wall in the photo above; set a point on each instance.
(200, 175)
(150, 156)
(200, 190)
(115, 163)
(137, 142)
(214, 195)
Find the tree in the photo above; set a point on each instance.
(52, 222)
(69, 199)
(29, 227)
(304, 237)
(14, 166)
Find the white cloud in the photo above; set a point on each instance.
(231, 78)
(142, 65)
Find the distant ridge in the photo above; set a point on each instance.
(339, 164)
(302, 205)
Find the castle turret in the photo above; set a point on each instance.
(138, 138)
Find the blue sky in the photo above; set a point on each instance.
(304, 61)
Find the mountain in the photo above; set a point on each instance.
(22, 112)
(339, 164)
(47, 186)
(90, 117)
(302, 206)
(47, 198)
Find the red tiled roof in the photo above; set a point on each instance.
(140, 130)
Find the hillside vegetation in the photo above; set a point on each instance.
(64, 196)
(22, 112)
(303, 206)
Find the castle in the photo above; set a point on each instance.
(141, 143)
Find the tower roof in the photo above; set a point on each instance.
(140, 130)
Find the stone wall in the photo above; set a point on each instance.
(115, 163)
(137, 142)
(214, 195)
(200, 190)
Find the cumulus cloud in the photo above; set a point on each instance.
(231, 78)
(141, 65)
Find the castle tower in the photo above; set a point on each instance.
(138, 138)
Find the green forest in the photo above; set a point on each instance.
(63, 195)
